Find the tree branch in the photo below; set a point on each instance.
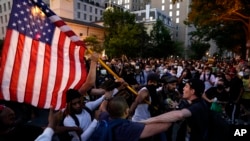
(242, 16)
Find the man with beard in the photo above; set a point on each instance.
(169, 95)
(11, 130)
(80, 115)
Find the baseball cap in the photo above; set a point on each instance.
(198, 85)
(153, 77)
(168, 79)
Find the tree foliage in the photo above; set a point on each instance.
(161, 41)
(93, 43)
(222, 20)
(198, 49)
(123, 35)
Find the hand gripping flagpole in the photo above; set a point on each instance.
(116, 76)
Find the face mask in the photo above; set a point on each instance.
(152, 88)
(165, 70)
(220, 87)
(207, 73)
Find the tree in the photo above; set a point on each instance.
(123, 35)
(216, 15)
(198, 49)
(93, 43)
(161, 41)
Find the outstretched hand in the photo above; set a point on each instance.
(54, 118)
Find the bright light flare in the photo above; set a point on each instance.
(37, 12)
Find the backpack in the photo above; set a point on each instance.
(104, 130)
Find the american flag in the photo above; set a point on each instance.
(41, 57)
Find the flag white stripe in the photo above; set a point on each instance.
(24, 67)
(53, 67)
(77, 67)
(65, 28)
(74, 38)
(38, 74)
(8, 70)
(66, 68)
(55, 18)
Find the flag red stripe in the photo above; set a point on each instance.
(4, 57)
(31, 72)
(45, 77)
(59, 23)
(70, 33)
(16, 68)
(59, 70)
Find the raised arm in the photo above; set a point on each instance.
(139, 99)
(91, 78)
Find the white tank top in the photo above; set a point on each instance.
(141, 111)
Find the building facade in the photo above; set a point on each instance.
(178, 12)
(78, 14)
(5, 8)
(149, 16)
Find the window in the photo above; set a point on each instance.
(178, 5)
(90, 9)
(0, 8)
(1, 17)
(96, 10)
(163, 7)
(177, 13)
(2, 30)
(162, 1)
(170, 13)
(4, 7)
(96, 18)
(9, 5)
(100, 12)
(177, 20)
(78, 15)
(84, 7)
(90, 18)
(84, 16)
(6, 20)
(78, 6)
(171, 6)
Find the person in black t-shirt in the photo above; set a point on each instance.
(217, 94)
(196, 114)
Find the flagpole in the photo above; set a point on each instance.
(116, 76)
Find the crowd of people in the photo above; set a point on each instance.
(175, 101)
